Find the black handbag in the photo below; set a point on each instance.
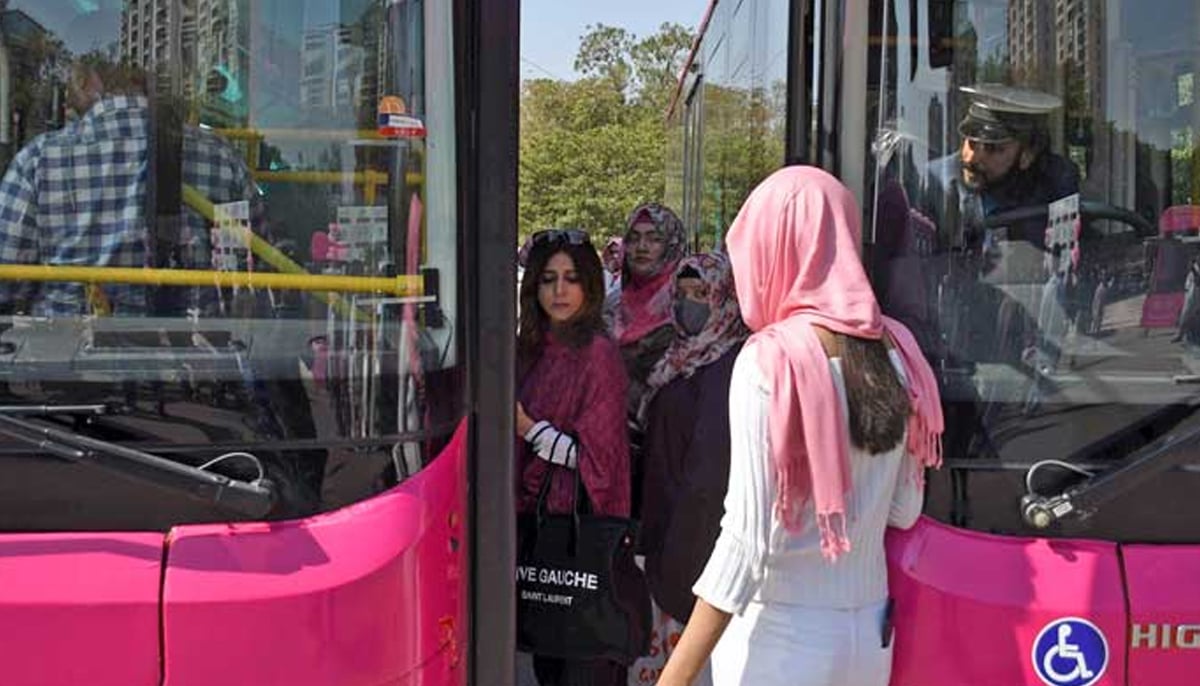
(580, 595)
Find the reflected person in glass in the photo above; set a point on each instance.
(1005, 161)
(79, 196)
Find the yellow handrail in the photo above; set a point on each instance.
(266, 252)
(302, 134)
(399, 286)
(361, 177)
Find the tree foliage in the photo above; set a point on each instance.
(594, 148)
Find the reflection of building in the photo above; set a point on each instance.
(368, 21)
(31, 102)
(332, 72)
(221, 56)
(1031, 31)
(1078, 32)
(1063, 37)
(218, 43)
(149, 32)
(164, 35)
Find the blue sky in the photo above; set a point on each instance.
(550, 29)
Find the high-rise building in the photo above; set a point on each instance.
(219, 43)
(333, 68)
(150, 31)
(160, 35)
(1078, 35)
(1050, 42)
(1031, 42)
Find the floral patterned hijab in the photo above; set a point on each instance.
(723, 330)
(646, 302)
(613, 256)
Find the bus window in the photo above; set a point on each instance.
(1031, 205)
(228, 240)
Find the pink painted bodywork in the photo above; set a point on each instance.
(369, 595)
(969, 605)
(80, 608)
(1161, 310)
(1164, 589)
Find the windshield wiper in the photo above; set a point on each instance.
(252, 499)
(42, 410)
(1085, 498)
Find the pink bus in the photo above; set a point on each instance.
(1060, 543)
(254, 338)
(1178, 226)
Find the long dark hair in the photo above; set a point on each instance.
(878, 402)
(534, 322)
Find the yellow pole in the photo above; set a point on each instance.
(336, 135)
(399, 286)
(267, 252)
(361, 177)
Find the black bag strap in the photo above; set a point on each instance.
(579, 498)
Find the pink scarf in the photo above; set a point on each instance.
(645, 306)
(646, 303)
(795, 252)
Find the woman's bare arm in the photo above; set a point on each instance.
(703, 630)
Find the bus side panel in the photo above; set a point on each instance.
(372, 594)
(970, 606)
(1164, 608)
(80, 608)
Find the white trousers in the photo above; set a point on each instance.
(802, 646)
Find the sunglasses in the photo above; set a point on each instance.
(555, 236)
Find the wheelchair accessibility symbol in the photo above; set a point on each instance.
(1070, 652)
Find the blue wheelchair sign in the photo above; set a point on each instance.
(1070, 652)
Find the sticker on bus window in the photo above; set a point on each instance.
(362, 230)
(231, 236)
(394, 121)
(1062, 234)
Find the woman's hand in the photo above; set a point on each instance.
(524, 423)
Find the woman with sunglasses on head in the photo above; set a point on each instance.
(834, 415)
(571, 391)
(642, 321)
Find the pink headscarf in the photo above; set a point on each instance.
(795, 252)
(646, 303)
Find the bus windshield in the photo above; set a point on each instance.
(1033, 205)
(228, 241)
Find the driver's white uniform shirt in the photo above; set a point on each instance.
(812, 621)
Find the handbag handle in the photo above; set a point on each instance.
(578, 495)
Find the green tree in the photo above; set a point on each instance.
(604, 52)
(657, 61)
(594, 148)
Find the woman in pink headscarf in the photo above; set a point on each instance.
(643, 321)
(834, 415)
